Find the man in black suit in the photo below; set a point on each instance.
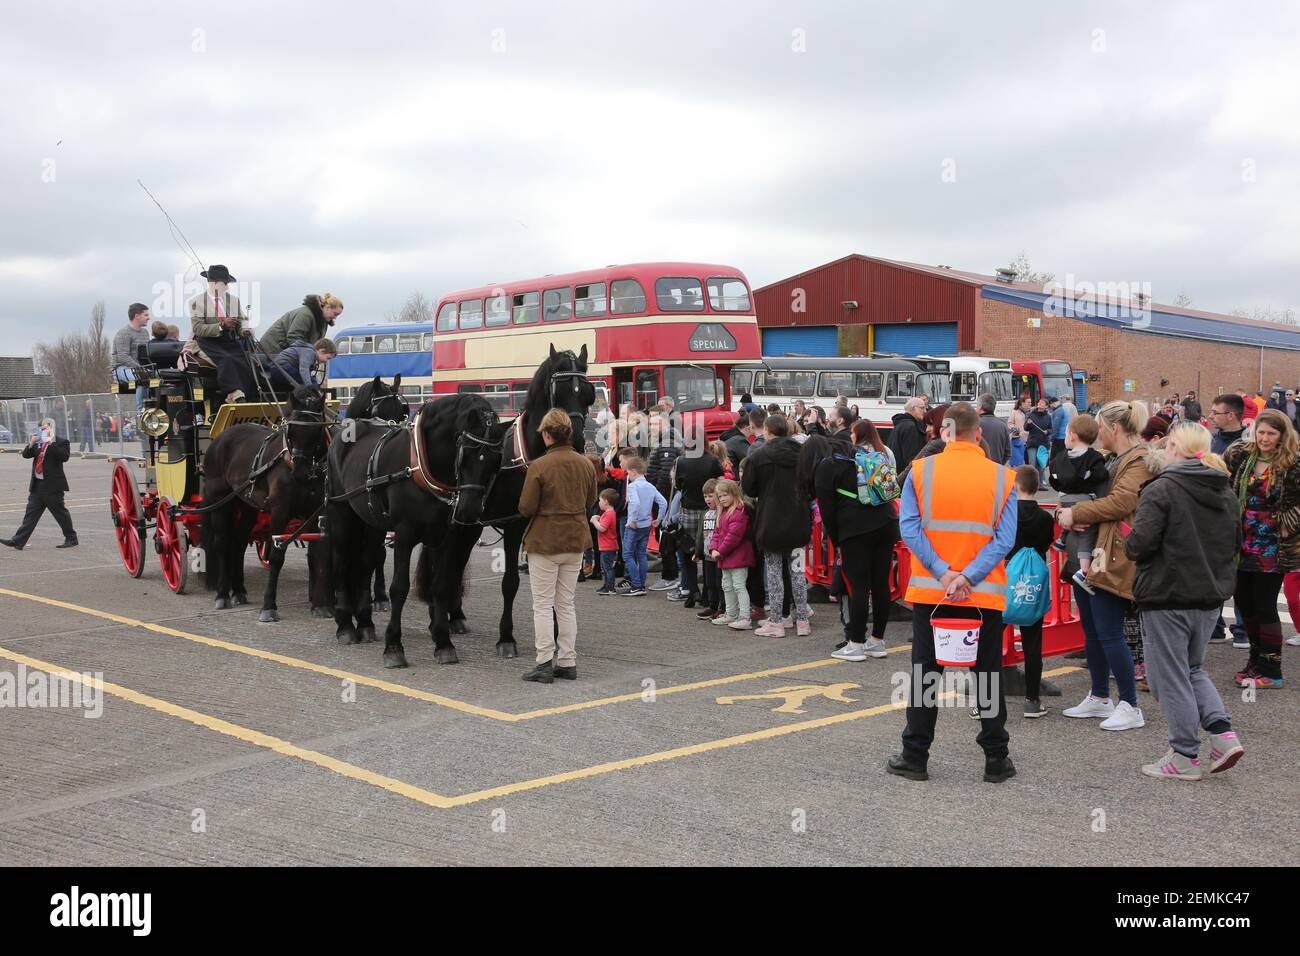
(47, 487)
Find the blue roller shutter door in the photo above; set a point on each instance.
(817, 340)
(917, 338)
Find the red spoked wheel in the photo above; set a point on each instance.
(173, 545)
(125, 500)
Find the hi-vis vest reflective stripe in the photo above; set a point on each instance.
(960, 494)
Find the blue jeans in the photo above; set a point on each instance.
(607, 569)
(126, 375)
(635, 542)
(1102, 616)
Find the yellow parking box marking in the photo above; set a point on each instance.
(254, 737)
(389, 686)
(437, 800)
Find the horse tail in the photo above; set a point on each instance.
(209, 571)
(424, 575)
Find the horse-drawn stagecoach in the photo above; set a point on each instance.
(182, 415)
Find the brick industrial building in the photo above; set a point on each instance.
(1119, 346)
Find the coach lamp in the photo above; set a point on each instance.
(153, 422)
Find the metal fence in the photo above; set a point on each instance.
(102, 423)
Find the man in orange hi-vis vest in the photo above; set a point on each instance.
(958, 518)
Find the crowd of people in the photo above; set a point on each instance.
(1160, 526)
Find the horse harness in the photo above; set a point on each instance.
(418, 470)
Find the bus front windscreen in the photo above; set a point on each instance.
(1057, 380)
(997, 384)
(936, 386)
(691, 387)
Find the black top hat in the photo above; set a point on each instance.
(217, 273)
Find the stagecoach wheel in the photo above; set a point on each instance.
(126, 519)
(173, 548)
(264, 551)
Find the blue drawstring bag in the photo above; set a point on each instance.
(1042, 456)
(1029, 594)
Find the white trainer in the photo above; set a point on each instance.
(1091, 707)
(876, 648)
(1126, 717)
(852, 651)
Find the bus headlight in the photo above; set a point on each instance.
(153, 422)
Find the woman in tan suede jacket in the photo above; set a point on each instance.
(1111, 577)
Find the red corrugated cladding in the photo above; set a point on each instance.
(885, 294)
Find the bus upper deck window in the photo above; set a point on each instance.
(343, 344)
(408, 342)
(557, 305)
(679, 294)
(498, 313)
(728, 295)
(589, 300)
(385, 343)
(447, 318)
(427, 343)
(525, 308)
(471, 314)
(625, 297)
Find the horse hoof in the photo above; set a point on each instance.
(238, 599)
(322, 612)
(394, 659)
(507, 649)
(268, 616)
(348, 635)
(446, 655)
(458, 626)
(220, 604)
(366, 635)
(382, 606)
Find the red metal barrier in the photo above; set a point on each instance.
(1062, 632)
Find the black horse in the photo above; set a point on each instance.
(249, 469)
(427, 483)
(559, 382)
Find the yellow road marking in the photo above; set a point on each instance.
(689, 751)
(389, 686)
(426, 696)
(437, 800)
(254, 737)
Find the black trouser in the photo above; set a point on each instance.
(231, 360)
(712, 596)
(1255, 601)
(1031, 644)
(919, 733)
(667, 554)
(865, 560)
(37, 503)
(755, 586)
(689, 580)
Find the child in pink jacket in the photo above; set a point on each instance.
(734, 553)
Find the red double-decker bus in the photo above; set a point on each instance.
(651, 330)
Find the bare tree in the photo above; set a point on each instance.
(79, 363)
(1266, 313)
(1025, 273)
(416, 308)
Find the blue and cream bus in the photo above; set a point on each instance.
(404, 348)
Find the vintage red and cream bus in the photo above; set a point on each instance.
(651, 330)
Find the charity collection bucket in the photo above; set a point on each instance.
(956, 639)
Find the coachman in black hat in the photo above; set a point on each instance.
(220, 334)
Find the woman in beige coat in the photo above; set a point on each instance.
(558, 492)
(1111, 576)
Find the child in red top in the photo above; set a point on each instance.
(606, 524)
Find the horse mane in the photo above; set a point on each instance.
(299, 398)
(359, 407)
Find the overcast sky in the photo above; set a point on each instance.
(372, 149)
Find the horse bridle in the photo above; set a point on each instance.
(294, 456)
